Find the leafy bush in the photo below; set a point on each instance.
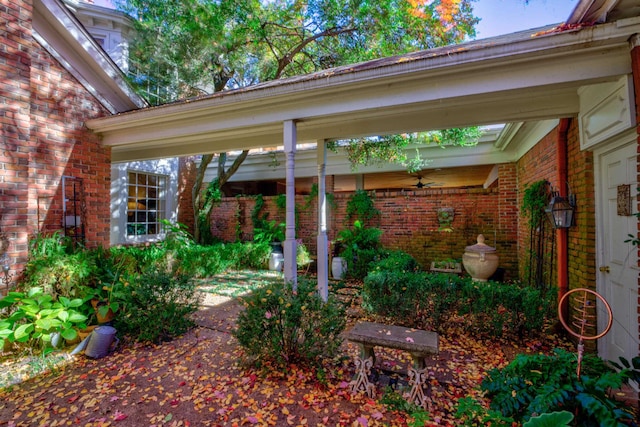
(157, 306)
(495, 306)
(360, 207)
(360, 246)
(395, 261)
(35, 317)
(280, 326)
(470, 413)
(427, 300)
(56, 267)
(393, 294)
(537, 384)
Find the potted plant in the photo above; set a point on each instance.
(448, 265)
(273, 233)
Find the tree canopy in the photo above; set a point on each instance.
(190, 47)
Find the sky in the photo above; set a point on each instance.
(505, 16)
(508, 16)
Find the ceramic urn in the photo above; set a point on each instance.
(480, 260)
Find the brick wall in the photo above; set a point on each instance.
(582, 237)
(540, 163)
(43, 139)
(187, 170)
(408, 220)
(537, 164)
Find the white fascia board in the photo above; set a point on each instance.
(532, 78)
(58, 31)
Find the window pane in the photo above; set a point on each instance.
(146, 203)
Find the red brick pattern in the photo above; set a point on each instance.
(187, 170)
(408, 220)
(42, 111)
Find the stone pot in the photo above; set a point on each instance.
(338, 267)
(480, 260)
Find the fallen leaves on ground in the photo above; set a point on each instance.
(197, 380)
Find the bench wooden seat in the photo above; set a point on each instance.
(418, 343)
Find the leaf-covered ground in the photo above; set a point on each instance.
(198, 380)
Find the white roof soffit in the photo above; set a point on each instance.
(519, 77)
(58, 31)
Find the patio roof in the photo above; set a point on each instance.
(527, 76)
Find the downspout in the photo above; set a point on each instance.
(562, 234)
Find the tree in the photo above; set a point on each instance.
(192, 47)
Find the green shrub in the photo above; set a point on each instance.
(470, 413)
(395, 261)
(537, 384)
(56, 267)
(360, 246)
(495, 306)
(280, 326)
(393, 294)
(157, 306)
(428, 300)
(201, 261)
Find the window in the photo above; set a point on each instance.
(146, 203)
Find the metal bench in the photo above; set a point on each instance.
(418, 343)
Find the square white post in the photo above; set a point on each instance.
(322, 242)
(290, 266)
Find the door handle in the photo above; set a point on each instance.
(605, 269)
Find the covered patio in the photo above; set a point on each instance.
(529, 80)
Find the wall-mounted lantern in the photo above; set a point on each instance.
(6, 268)
(561, 209)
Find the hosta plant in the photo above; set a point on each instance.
(35, 317)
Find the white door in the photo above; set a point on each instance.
(618, 261)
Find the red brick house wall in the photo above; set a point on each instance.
(43, 108)
(540, 163)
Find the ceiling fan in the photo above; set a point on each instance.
(421, 184)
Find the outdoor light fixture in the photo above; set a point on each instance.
(7, 277)
(560, 210)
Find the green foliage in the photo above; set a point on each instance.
(177, 235)
(395, 261)
(280, 326)
(360, 246)
(34, 317)
(303, 257)
(534, 201)
(361, 207)
(157, 306)
(210, 197)
(471, 413)
(396, 402)
(281, 201)
(269, 232)
(379, 150)
(553, 419)
(184, 46)
(56, 267)
(428, 300)
(536, 384)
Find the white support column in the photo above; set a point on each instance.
(290, 267)
(323, 246)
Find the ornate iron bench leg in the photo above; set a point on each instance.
(361, 379)
(417, 380)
